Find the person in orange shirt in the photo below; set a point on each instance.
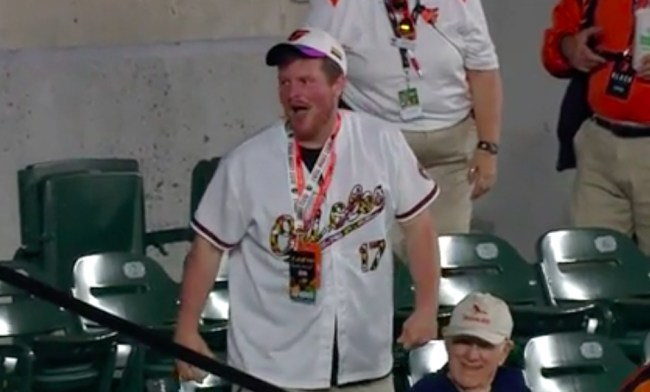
(592, 40)
(639, 381)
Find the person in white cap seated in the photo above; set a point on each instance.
(305, 208)
(478, 341)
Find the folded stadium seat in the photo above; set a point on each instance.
(575, 362)
(593, 265)
(77, 206)
(61, 357)
(486, 263)
(426, 359)
(216, 307)
(201, 175)
(136, 288)
(86, 213)
(30, 193)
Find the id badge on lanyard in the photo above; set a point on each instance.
(404, 41)
(307, 197)
(623, 73)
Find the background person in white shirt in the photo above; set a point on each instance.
(439, 82)
(310, 266)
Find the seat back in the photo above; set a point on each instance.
(131, 286)
(426, 359)
(575, 361)
(591, 264)
(24, 316)
(217, 305)
(30, 190)
(201, 176)
(87, 213)
(64, 357)
(477, 262)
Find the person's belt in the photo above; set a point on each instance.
(623, 130)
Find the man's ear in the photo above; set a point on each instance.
(507, 347)
(339, 85)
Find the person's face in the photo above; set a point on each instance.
(474, 362)
(308, 98)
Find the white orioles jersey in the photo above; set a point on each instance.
(248, 210)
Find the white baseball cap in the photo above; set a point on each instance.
(311, 42)
(483, 316)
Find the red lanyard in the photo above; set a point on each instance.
(306, 201)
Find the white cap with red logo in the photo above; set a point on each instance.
(310, 42)
(483, 316)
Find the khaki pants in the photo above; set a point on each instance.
(612, 186)
(383, 385)
(446, 155)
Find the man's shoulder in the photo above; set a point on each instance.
(506, 379)
(433, 382)
(510, 379)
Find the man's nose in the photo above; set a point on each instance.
(473, 352)
(295, 91)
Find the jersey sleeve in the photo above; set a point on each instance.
(412, 189)
(480, 53)
(220, 217)
(566, 19)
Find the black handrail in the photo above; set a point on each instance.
(145, 335)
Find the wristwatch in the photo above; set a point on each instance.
(490, 147)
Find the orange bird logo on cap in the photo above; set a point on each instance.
(478, 310)
(296, 35)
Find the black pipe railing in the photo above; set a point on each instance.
(145, 335)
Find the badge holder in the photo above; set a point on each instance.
(304, 272)
(409, 103)
(621, 78)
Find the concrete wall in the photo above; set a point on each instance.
(171, 82)
(65, 23)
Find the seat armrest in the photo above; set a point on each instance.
(159, 238)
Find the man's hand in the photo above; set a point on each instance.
(193, 341)
(418, 329)
(575, 49)
(644, 71)
(482, 172)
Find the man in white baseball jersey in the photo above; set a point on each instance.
(305, 208)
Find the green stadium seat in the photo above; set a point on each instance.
(30, 193)
(136, 288)
(216, 307)
(427, 359)
(201, 176)
(593, 265)
(86, 213)
(64, 357)
(487, 263)
(575, 362)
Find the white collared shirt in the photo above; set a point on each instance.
(460, 41)
(247, 209)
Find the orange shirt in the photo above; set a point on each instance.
(616, 21)
(638, 381)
